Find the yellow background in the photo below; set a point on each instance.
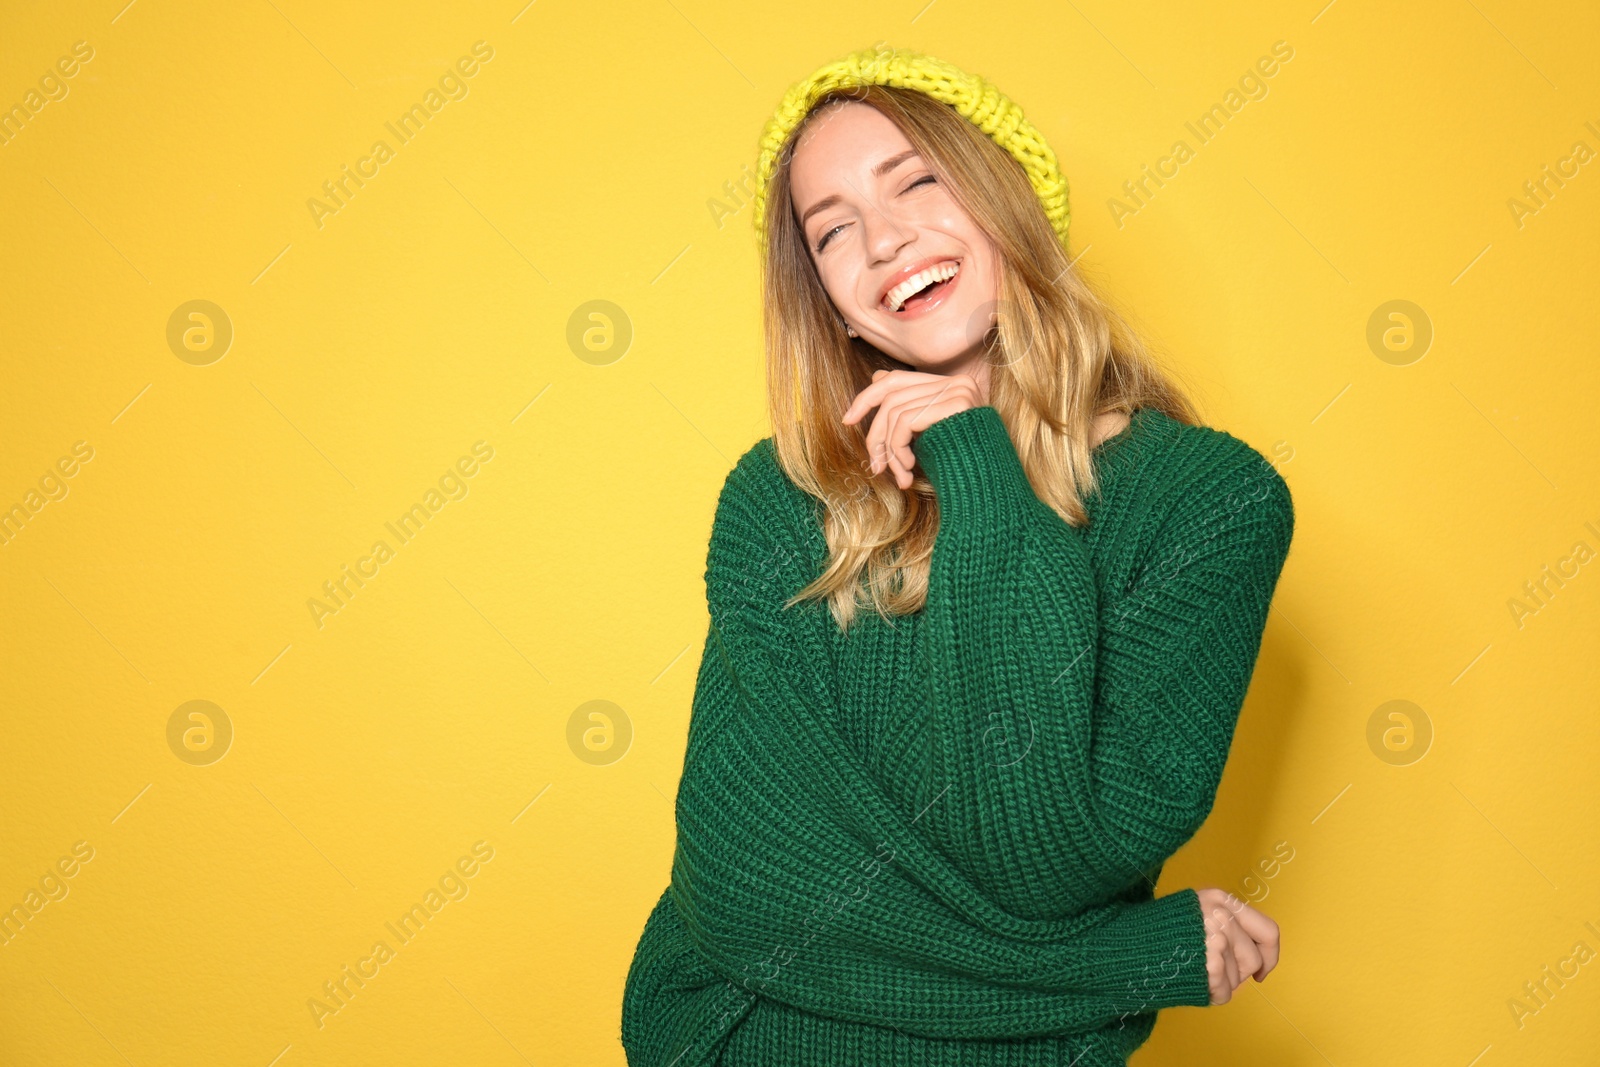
(432, 311)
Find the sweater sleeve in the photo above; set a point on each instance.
(1062, 763)
(798, 879)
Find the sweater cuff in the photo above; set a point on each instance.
(974, 468)
(1155, 952)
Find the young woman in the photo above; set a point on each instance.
(984, 610)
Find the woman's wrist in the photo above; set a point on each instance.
(973, 465)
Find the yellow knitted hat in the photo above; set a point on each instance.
(974, 98)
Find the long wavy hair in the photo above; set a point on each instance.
(1059, 354)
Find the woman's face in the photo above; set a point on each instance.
(881, 217)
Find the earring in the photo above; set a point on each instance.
(851, 330)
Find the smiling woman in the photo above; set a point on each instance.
(949, 723)
(862, 241)
(899, 237)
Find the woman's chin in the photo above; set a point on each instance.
(942, 354)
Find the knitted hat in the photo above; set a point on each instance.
(973, 98)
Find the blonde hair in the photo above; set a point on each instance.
(1058, 355)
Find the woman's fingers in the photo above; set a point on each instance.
(1222, 969)
(1241, 942)
(1246, 954)
(887, 422)
(865, 399)
(912, 408)
(906, 414)
(1216, 972)
(1264, 932)
(1218, 908)
(907, 402)
(884, 382)
(1230, 958)
(894, 462)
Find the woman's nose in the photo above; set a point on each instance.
(886, 234)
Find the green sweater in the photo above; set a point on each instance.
(936, 841)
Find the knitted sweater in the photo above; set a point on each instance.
(935, 841)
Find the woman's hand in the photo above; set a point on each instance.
(1240, 942)
(908, 402)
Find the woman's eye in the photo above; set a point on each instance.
(822, 242)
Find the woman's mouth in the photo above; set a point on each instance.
(930, 290)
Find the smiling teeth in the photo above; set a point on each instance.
(918, 282)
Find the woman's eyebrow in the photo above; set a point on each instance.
(877, 172)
